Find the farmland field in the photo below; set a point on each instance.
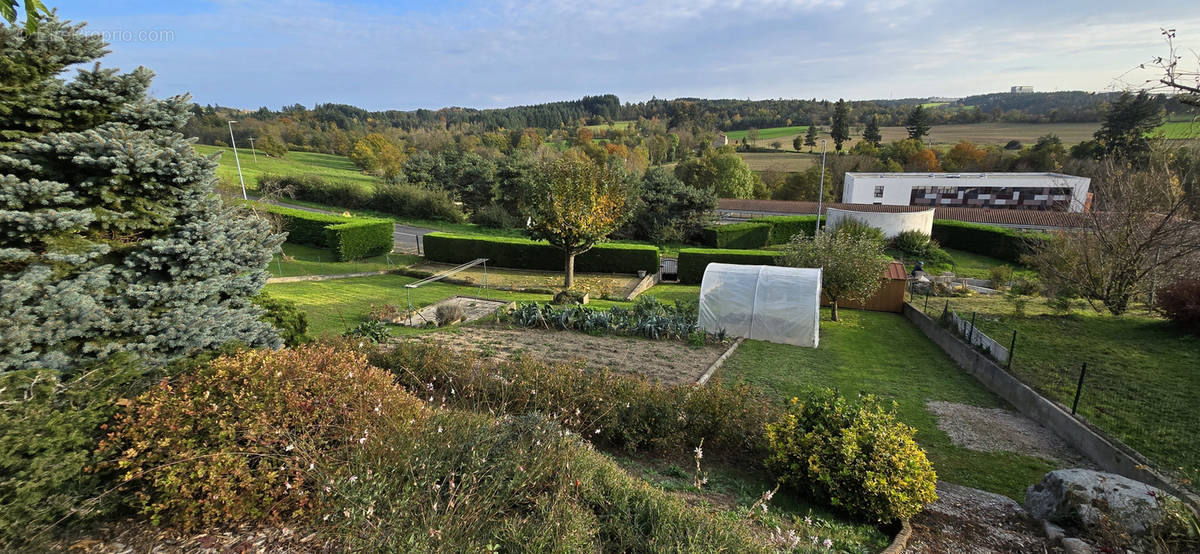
(1180, 129)
(787, 160)
(327, 166)
(771, 133)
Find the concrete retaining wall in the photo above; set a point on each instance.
(1109, 454)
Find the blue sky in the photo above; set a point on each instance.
(406, 55)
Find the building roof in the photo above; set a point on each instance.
(1012, 218)
(895, 270)
(967, 175)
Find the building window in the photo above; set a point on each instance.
(878, 191)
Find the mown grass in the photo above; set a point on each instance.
(970, 264)
(328, 166)
(335, 305)
(885, 355)
(1141, 382)
(1179, 130)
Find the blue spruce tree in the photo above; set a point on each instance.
(112, 240)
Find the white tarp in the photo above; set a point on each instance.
(762, 302)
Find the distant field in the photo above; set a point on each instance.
(328, 166)
(616, 125)
(1180, 129)
(770, 133)
(928, 105)
(787, 160)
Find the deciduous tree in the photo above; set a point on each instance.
(852, 266)
(575, 205)
(721, 171)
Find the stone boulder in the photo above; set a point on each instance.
(1082, 499)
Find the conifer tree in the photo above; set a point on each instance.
(840, 131)
(111, 237)
(810, 137)
(917, 123)
(871, 133)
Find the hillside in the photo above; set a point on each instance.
(328, 166)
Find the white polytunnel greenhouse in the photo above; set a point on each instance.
(762, 302)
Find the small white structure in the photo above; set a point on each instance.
(891, 224)
(762, 302)
(1008, 191)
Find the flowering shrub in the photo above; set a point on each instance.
(609, 409)
(858, 456)
(228, 442)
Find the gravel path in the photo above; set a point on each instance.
(1000, 430)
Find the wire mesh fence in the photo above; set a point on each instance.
(1159, 420)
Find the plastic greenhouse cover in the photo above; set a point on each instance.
(762, 302)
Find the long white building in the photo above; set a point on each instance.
(1007, 191)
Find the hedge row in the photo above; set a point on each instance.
(693, 261)
(1001, 243)
(784, 227)
(737, 235)
(350, 238)
(760, 231)
(527, 254)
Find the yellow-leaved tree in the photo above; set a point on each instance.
(575, 204)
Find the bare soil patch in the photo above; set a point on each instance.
(971, 521)
(669, 362)
(1000, 430)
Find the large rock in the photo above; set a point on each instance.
(1083, 499)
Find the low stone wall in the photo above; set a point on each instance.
(1108, 453)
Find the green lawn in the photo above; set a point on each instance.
(885, 355)
(1142, 379)
(969, 264)
(309, 260)
(328, 166)
(928, 105)
(769, 133)
(335, 305)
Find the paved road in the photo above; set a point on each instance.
(406, 239)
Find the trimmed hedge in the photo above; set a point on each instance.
(527, 254)
(737, 235)
(997, 242)
(693, 261)
(784, 227)
(350, 238)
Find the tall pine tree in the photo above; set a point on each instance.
(871, 133)
(111, 237)
(917, 123)
(840, 130)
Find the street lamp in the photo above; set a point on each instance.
(236, 160)
(821, 191)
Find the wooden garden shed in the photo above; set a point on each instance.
(889, 297)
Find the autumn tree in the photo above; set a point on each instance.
(1139, 231)
(924, 160)
(574, 205)
(965, 156)
(840, 130)
(871, 133)
(272, 146)
(810, 137)
(917, 123)
(851, 265)
(375, 153)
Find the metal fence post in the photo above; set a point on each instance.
(926, 310)
(279, 264)
(1079, 388)
(971, 333)
(1011, 348)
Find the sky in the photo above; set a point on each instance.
(497, 53)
